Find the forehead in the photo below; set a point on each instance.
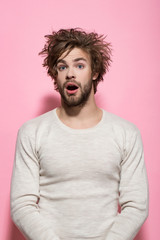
(75, 53)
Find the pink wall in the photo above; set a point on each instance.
(130, 90)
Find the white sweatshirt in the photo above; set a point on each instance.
(66, 183)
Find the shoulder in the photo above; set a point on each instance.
(119, 124)
(125, 133)
(39, 123)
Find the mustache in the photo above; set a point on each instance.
(72, 81)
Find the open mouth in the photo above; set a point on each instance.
(71, 88)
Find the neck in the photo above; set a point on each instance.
(82, 116)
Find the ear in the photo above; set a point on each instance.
(95, 76)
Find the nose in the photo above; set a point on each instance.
(70, 73)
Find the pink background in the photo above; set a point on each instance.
(131, 89)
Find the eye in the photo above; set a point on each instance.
(61, 68)
(80, 66)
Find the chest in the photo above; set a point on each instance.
(69, 155)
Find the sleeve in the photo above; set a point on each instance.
(133, 192)
(24, 194)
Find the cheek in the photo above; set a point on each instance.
(60, 77)
(85, 74)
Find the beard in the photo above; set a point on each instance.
(71, 100)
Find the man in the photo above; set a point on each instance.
(74, 164)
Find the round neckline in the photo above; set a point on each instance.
(74, 130)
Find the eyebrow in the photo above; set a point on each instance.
(75, 60)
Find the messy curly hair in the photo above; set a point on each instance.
(66, 39)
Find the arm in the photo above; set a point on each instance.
(133, 190)
(25, 192)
